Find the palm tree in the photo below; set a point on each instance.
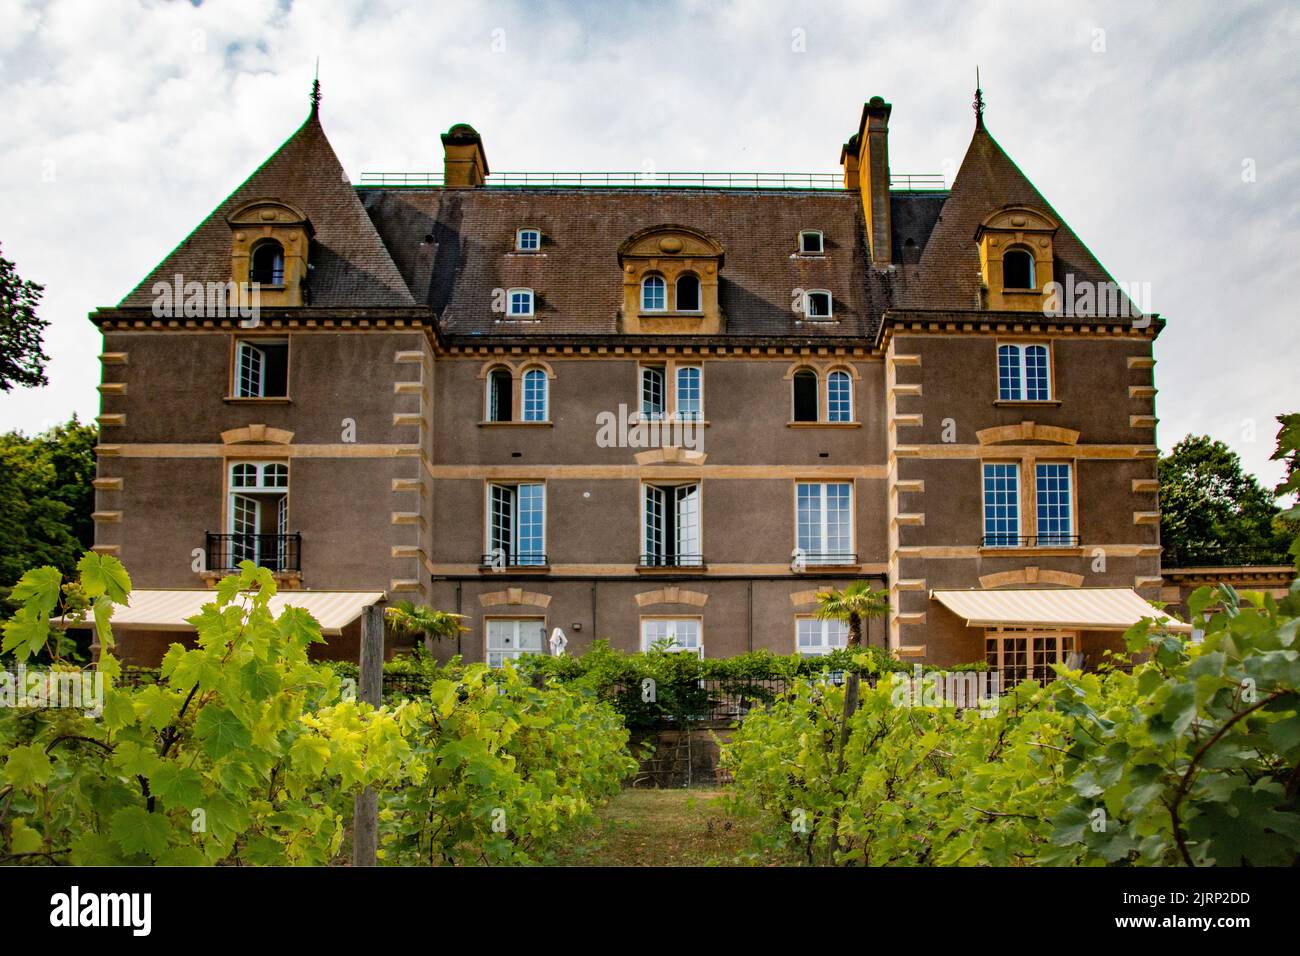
(855, 602)
(420, 620)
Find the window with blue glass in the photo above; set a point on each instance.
(689, 393)
(1055, 504)
(824, 522)
(1024, 373)
(654, 294)
(839, 397)
(535, 382)
(521, 303)
(517, 525)
(1001, 505)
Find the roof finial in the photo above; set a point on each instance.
(315, 89)
(979, 101)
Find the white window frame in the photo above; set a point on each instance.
(699, 294)
(489, 396)
(646, 280)
(1015, 507)
(821, 242)
(519, 239)
(826, 557)
(688, 536)
(250, 354)
(513, 550)
(830, 412)
(1021, 353)
(668, 619)
(1071, 523)
(518, 650)
(824, 628)
(1042, 648)
(644, 371)
(535, 371)
(510, 303)
(807, 305)
(1033, 269)
(268, 478)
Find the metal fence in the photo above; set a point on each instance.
(644, 179)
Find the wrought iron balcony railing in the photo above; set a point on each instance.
(672, 560)
(1030, 541)
(500, 560)
(278, 552)
(813, 559)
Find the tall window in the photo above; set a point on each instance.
(516, 525)
(511, 638)
(689, 393)
(1026, 655)
(805, 395)
(535, 399)
(261, 368)
(824, 518)
(1023, 373)
(815, 637)
(839, 397)
(671, 526)
(1001, 505)
(528, 240)
(1018, 270)
(501, 395)
(653, 294)
(257, 516)
(267, 265)
(680, 635)
(688, 293)
(521, 303)
(653, 397)
(1055, 504)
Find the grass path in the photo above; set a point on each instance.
(661, 828)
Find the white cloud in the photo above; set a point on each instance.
(148, 115)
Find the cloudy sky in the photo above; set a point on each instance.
(1166, 134)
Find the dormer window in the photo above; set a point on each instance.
(528, 240)
(654, 294)
(267, 267)
(520, 304)
(688, 292)
(1018, 269)
(817, 304)
(810, 243)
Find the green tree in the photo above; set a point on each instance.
(1211, 512)
(422, 621)
(22, 359)
(1288, 452)
(46, 498)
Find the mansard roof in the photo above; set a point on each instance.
(349, 265)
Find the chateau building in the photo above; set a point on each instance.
(641, 410)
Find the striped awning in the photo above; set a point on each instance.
(1096, 609)
(160, 610)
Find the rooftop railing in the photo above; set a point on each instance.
(907, 182)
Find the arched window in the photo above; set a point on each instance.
(688, 293)
(267, 267)
(535, 382)
(653, 294)
(805, 395)
(500, 395)
(1018, 270)
(839, 397)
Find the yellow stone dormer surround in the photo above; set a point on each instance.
(671, 251)
(1015, 227)
(266, 220)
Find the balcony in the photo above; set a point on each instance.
(500, 560)
(1030, 541)
(281, 553)
(671, 562)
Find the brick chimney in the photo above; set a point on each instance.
(464, 164)
(869, 171)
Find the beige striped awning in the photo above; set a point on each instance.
(1097, 609)
(160, 610)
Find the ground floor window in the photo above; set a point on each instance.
(509, 638)
(1024, 654)
(680, 635)
(815, 637)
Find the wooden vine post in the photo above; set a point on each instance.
(370, 688)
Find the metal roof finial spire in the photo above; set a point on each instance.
(979, 101)
(315, 89)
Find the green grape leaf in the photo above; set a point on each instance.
(28, 768)
(221, 731)
(178, 787)
(136, 830)
(104, 574)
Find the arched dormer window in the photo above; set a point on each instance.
(688, 292)
(1018, 269)
(267, 266)
(654, 294)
